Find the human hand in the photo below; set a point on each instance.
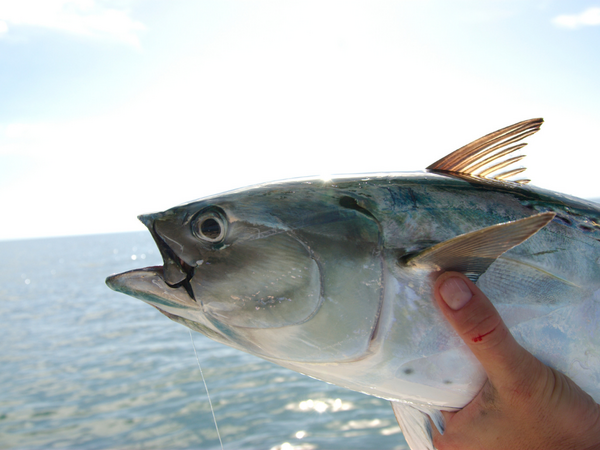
(524, 404)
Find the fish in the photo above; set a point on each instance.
(332, 278)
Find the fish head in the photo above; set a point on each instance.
(268, 270)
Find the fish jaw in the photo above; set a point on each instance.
(148, 285)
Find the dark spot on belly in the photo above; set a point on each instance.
(408, 371)
(447, 381)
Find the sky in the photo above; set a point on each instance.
(110, 109)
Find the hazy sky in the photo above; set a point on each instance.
(109, 109)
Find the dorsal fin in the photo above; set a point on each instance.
(475, 159)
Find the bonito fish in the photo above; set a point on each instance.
(333, 278)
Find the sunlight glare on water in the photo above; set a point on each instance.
(320, 406)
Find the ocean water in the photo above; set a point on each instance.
(83, 367)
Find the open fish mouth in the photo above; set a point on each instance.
(158, 285)
(176, 272)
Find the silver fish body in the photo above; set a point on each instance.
(319, 277)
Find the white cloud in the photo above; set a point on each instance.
(589, 17)
(82, 17)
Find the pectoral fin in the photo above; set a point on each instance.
(472, 253)
(415, 424)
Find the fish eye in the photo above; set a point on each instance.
(210, 226)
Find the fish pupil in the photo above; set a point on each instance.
(210, 228)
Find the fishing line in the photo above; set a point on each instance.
(206, 387)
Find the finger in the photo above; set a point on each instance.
(478, 323)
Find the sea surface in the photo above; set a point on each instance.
(83, 367)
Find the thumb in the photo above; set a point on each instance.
(478, 323)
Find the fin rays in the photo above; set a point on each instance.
(474, 159)
(472, 253)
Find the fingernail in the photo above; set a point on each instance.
(455, 293)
